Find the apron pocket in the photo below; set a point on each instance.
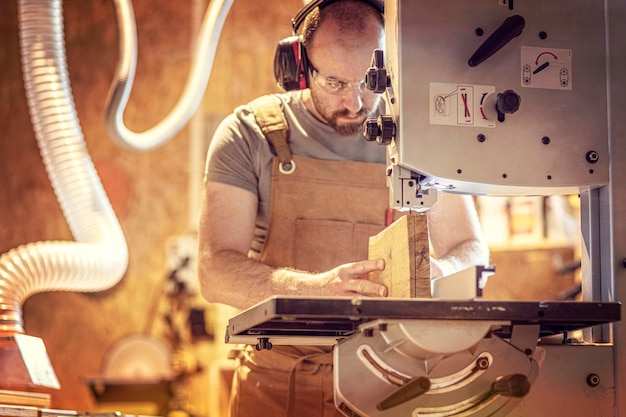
(321, 245)
(362, 234)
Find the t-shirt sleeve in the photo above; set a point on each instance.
(231, 157)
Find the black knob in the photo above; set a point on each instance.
(508, 102)
(382, 129)
(388, 128)
(263, 344)
(371, 130)
(376, 78)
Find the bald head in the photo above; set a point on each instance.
(349, 19)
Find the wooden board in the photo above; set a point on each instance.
(404, 247)
(31, 399)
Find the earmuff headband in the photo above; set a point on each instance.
(297, 21)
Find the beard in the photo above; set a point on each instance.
(331, 117)
(347, 129)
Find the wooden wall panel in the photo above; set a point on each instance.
(148, 190)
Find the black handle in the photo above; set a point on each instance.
(414, 388)
(509, 29)
(515, 385)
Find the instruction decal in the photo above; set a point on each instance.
(35, 357)
(548, 68)
(460, 104)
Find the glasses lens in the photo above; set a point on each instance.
(335, 86)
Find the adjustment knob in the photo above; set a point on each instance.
(382, 129)
(508, 102)
(376, 78)
(370, 129)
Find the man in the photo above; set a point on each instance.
(266, 230)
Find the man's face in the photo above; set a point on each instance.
(341, 61)
(347, 111)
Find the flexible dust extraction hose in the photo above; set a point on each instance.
(192, 94)
(98, 258)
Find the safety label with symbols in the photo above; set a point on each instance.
(460, 104)
(549, 68)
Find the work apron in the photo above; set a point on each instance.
(321, 216)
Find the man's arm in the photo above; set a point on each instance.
(456, 237)
(228, 276)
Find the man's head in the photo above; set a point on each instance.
(339, 39)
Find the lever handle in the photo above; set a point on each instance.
(412, 389)
(515, 385)
(509, 29)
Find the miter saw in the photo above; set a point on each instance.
(500, 98)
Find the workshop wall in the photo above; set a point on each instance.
(149, 191)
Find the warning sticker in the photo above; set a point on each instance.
(460, 104)
(549, 68)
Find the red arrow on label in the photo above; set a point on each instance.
(544, 53)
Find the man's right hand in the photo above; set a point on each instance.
(351, 279)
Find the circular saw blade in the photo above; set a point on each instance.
(137, 356)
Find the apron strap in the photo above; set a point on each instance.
(269, 115)
(325, 358)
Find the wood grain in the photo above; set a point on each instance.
(404, 247)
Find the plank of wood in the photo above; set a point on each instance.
(18, 411)
(404, 247)
(33, 399)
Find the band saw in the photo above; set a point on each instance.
(501, 98)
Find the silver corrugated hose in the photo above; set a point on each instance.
(98, 258)
(192, 94)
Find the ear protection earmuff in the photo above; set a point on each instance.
(291, 69)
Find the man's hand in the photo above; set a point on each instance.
(351, 279)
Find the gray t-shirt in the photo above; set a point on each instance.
(239, 154)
